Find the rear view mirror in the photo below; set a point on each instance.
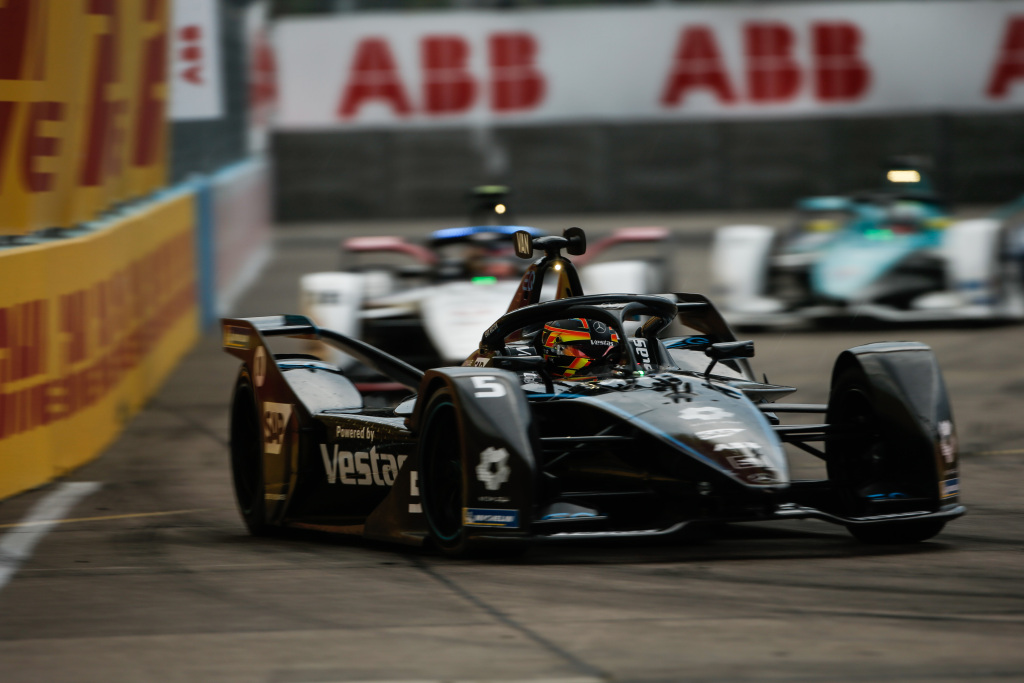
(577, 245)
(524, 244)
(730, 350)
(727, 351)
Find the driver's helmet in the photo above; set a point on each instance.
(906, 217)
(578, 346)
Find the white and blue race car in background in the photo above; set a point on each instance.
(430, 302)
(887, 256)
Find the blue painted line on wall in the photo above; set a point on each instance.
(233, 170)
(205, 257)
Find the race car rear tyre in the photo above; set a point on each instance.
(442, 476)
(870, 462)
(247, 457)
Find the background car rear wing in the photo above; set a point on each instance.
(389, 243)
(243, 335)
(470, 232)
(624, 236)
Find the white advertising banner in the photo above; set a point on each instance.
(195, 75)
(262, 74)
(650, 64)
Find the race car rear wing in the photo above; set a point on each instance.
(389, 243)
(697, 311)
(239, 333)
(624, 236)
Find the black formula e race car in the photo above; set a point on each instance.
(501, 452)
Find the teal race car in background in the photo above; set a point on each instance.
(894, 254)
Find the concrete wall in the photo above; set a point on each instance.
(648, 167)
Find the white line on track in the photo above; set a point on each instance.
(17, 544)
(583, 679)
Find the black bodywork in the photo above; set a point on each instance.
(497, 454)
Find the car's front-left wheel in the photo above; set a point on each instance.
(442, 478)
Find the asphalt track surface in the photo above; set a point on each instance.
(148, 575)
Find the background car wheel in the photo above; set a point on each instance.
(247, 457)
(872, 461)
(442, 480)
(1011, 273)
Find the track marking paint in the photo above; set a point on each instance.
(16, 546)
(1015, 451)
(130, 515)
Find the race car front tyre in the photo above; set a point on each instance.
(246, 457)
(871, 466)
(442, 479)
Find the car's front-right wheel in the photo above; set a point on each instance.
(872, 466)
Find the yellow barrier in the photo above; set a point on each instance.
(83, 91)
(89, 328)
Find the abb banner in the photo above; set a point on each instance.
(196, 91)
(82, 107)
(656, 64)
(262, 70)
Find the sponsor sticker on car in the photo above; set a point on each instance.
(259, 366)
(704, 414)
(275, 422)
(237, 337)
(697, 342)
(947, 441)
(718, 433)
(643, 354)
(508, 519)
(493, 469)
(362, 468)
